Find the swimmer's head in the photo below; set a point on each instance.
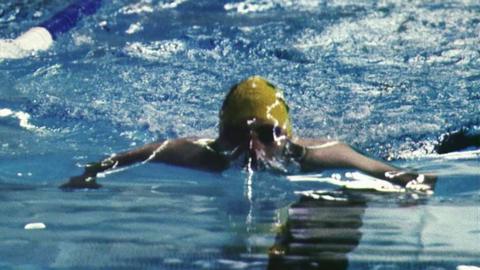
(254, 102)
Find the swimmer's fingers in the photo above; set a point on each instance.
(430, 180)
(427, 181)
(423, 183)
(81, 182)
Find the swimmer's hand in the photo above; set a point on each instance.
(412, 180)
(87, 179)
(84, 181)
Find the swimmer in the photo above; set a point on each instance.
(255, 129)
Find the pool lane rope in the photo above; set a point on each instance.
(42, 36)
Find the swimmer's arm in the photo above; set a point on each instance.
(88, 178)
(190, 153)
(340, 155)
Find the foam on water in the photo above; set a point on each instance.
(134, 28)
(156, 50)
(148, 6)
(245, 7)
(139, 7)
(22, 117)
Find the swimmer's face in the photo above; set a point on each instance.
(254, 119)
(261, 142)
(266, 144)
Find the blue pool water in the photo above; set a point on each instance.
(389, 77)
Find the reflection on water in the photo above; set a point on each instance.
(192, 220)
(319, 233)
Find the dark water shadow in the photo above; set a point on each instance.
(319, 232)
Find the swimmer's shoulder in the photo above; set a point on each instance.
(193, 143)
(315, 142)
(193, 152)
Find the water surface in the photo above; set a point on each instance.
(388, 77)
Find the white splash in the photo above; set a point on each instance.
(360, 181)
(138, 8)
(171, 4)
(134, 28)
(23, 119)
(79, 39)
(252, 6)
(320, 194)
(156, 50)
(473, 154)
(355, 180)
(146, 6)
(419, 152)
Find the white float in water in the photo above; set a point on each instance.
(40, 38)
(34, 40)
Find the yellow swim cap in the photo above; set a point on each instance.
(255, 99)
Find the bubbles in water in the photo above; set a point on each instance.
(250, 6)
(156, 50)
(134, 28)
(143, 6)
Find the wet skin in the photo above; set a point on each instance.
(261, 144)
